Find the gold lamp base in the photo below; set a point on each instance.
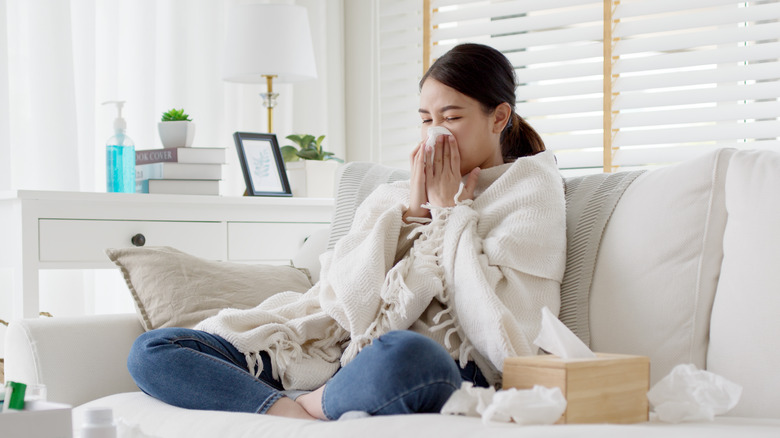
(269, 100)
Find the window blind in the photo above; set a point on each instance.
(400, 70)
(674, 80)
(691, 76)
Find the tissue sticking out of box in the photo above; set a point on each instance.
(690, 394)
(554, 337)
(433, 133)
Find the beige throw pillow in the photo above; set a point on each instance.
(174, 289)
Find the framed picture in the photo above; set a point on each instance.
(262, 164)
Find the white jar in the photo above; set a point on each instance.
(98, 423)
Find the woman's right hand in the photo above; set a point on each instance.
(418, 195)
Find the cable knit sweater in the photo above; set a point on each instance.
(474, 278)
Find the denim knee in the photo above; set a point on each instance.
(401, 372)
(408, 352)
(138, 359)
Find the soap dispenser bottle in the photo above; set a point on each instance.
(120, 156)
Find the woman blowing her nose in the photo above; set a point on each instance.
(439, 279)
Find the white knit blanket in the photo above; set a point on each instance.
(487, 265)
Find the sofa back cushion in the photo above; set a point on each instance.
(745, 324)
(590, 201)
(354, 182)
(658, 265)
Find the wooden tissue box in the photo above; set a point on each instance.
(612, 388)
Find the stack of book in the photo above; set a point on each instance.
(184, 170)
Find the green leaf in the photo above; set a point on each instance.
(309, 148)
(307, 141)
(174, 114)
(289, 153)
(308, 154)
(298, 139)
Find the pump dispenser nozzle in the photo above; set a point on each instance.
(119, 122)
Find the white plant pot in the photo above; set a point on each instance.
(176, 134)
(311, 178)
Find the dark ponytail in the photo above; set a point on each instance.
(483, 73)
(519, 139)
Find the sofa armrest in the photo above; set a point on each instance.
(78, 358)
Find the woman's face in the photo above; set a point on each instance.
(477, 134)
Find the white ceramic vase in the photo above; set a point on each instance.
(312, 178)
(176, 134)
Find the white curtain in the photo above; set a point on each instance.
(63, 58)
(60, 59)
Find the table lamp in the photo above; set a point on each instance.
(267, 41)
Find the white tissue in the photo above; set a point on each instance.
(433, 132)
(554, 337)
(539, 405)
(689, 394)
(469, 400)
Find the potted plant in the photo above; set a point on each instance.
(176, 129)
(310, 169)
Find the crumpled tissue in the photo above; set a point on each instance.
(690, 394)
(433, 133)
(538, 405)
(554, 337)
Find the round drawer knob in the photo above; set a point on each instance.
(138, 240)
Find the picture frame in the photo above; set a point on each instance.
(262, 164)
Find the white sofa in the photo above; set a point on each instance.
(687, 270)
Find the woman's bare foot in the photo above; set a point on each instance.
(312, 403)
(285, 407)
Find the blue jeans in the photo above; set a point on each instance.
(401, 372)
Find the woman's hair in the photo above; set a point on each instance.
(483, 73)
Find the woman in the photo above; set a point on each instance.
(439, 279)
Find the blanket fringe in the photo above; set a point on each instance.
(451, 323)
(254, 365)
(282, 353)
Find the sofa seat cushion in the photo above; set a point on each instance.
(658, 265)
(745, 324)
(160, 420)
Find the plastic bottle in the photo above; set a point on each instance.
(120, 156)
(98, 423)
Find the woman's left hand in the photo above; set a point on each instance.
(442, 175)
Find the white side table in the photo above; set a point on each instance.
(71, 230)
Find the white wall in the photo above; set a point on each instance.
(319, 105)
(361, 90)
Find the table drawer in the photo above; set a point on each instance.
(268, 241)
(67, 240)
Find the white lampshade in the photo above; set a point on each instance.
(268, 39)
